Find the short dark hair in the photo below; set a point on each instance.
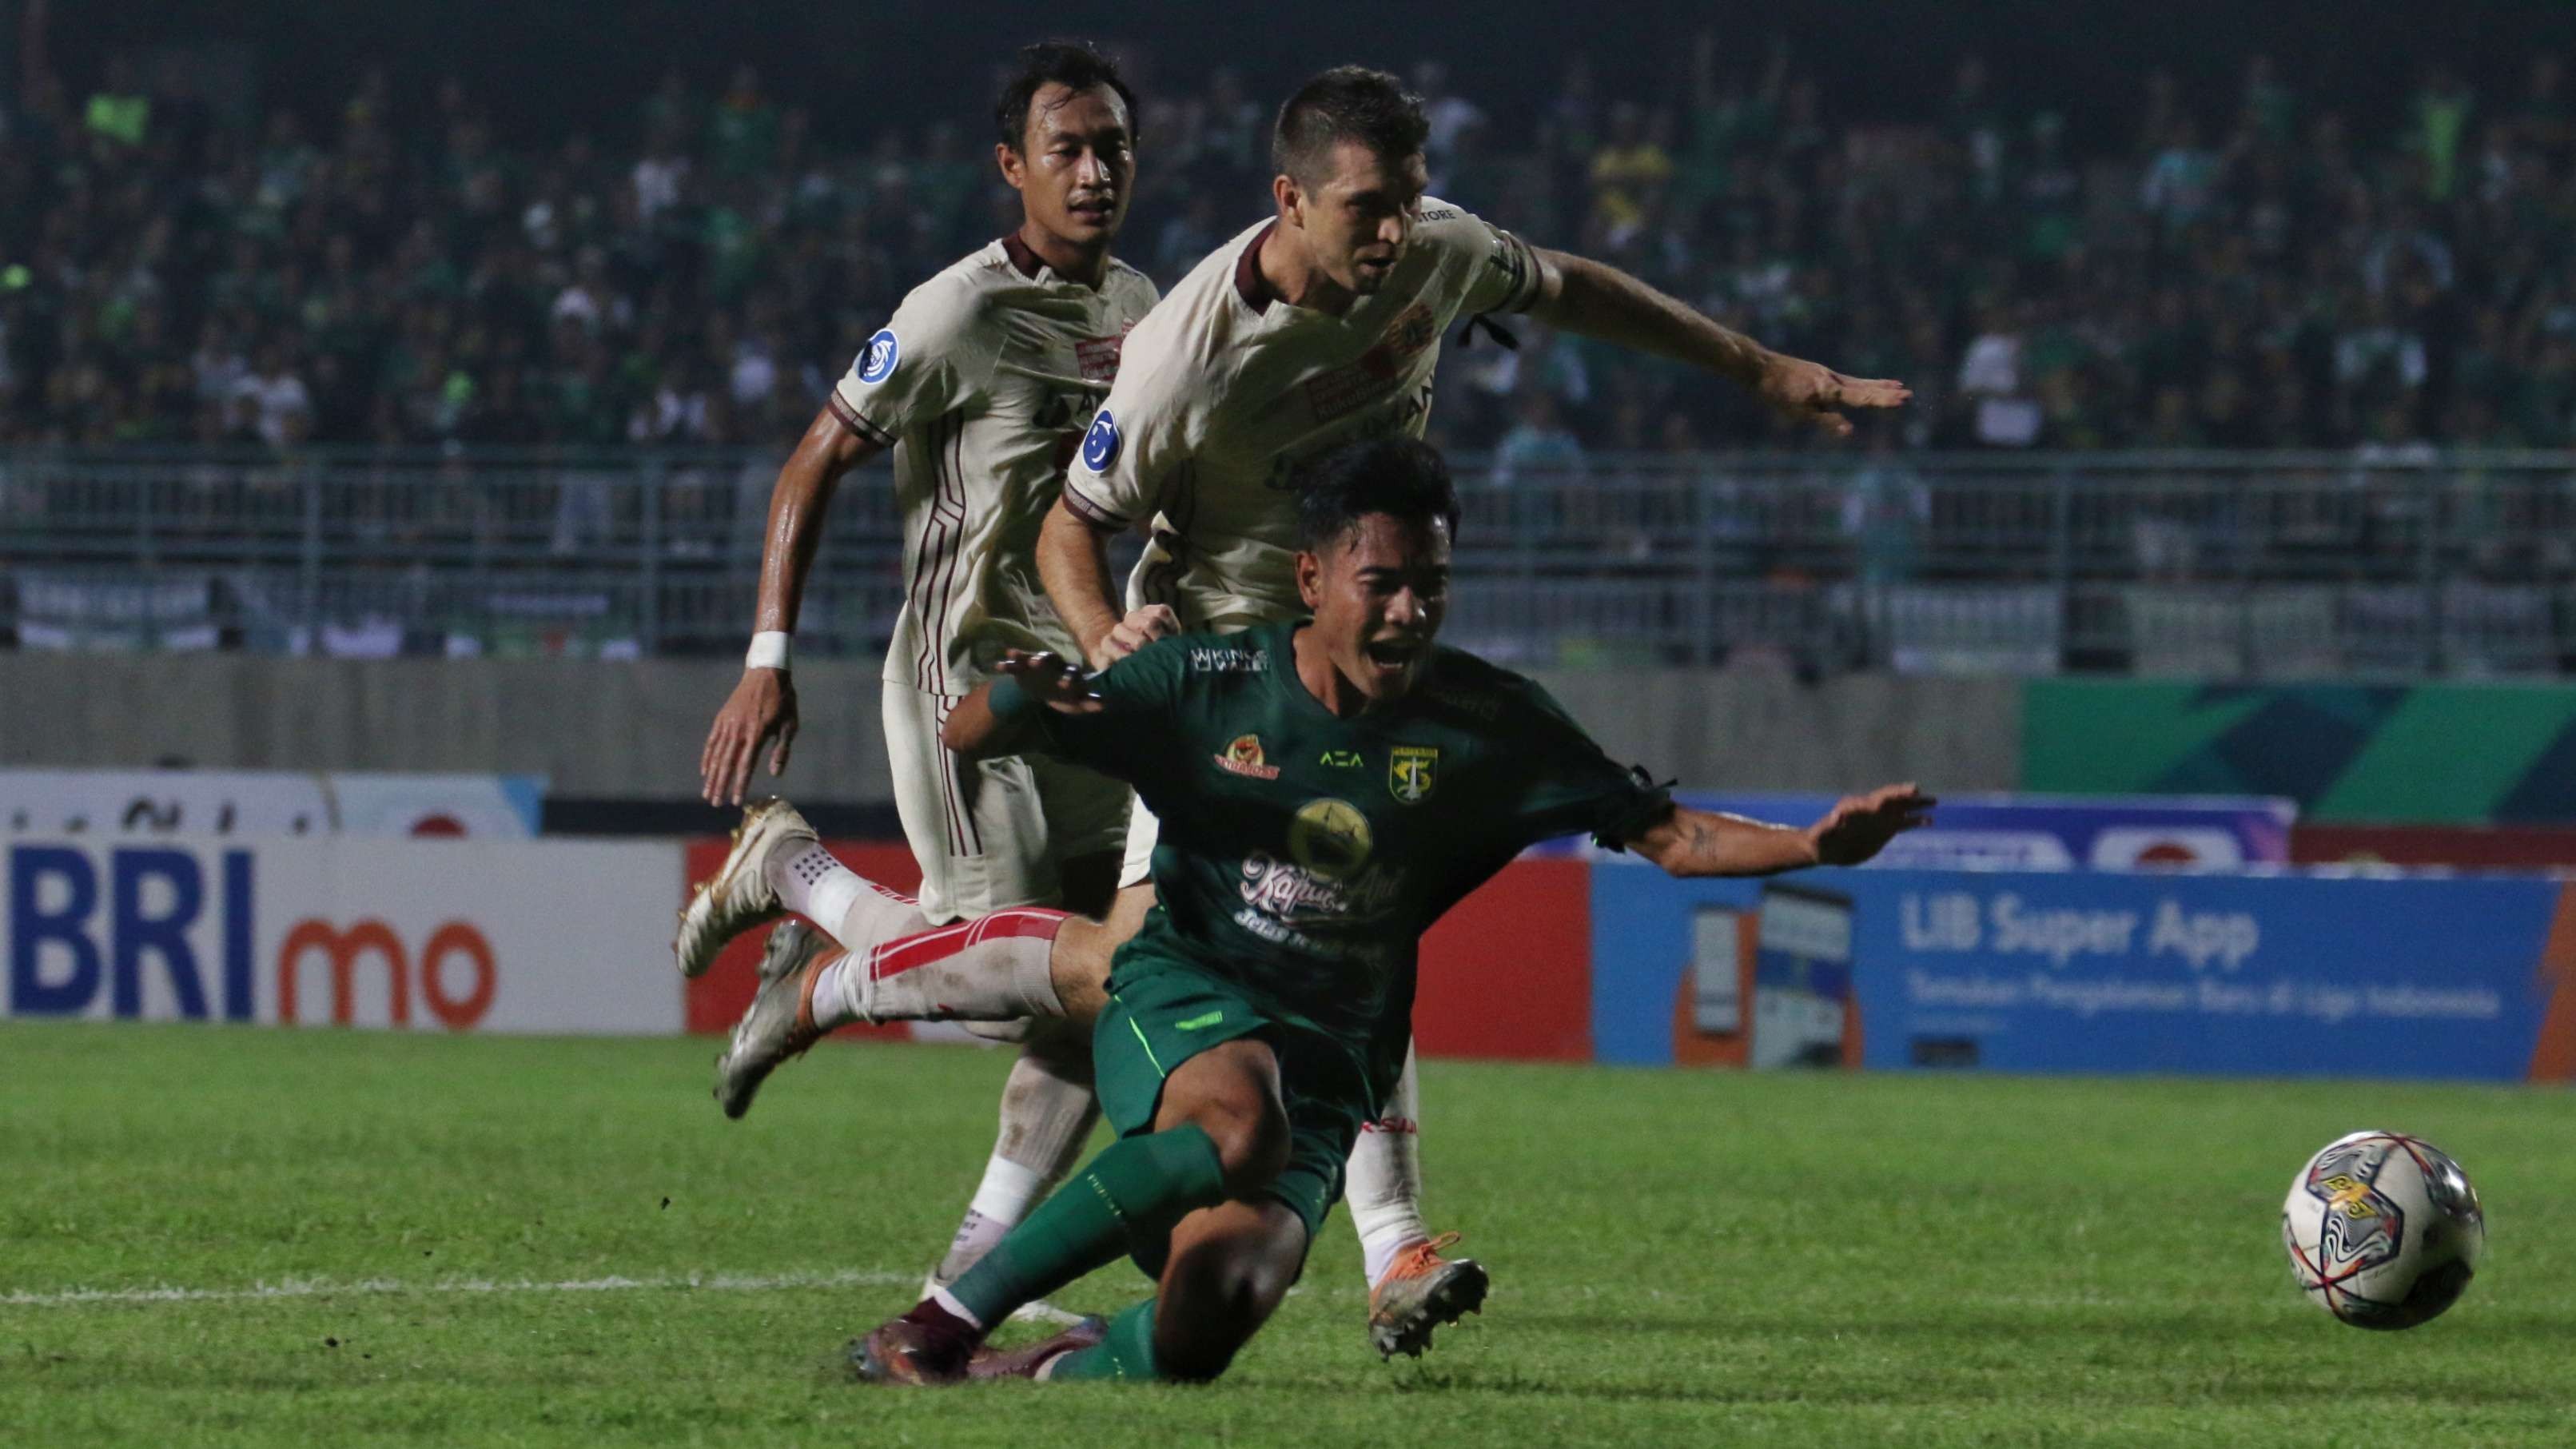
(1077, 65)
(1404, 478)
(1346, 103)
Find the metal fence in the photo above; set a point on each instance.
(2210, 565)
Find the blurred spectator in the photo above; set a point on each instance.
(120, 111)
(1539, 447)
(278, 399)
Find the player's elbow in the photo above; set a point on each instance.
(1681, 865)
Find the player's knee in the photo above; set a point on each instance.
(1251, 1146)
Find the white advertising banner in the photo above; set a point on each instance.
(269, 802)
(508, 936)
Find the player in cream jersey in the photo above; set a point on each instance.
(1227, 389)
(1317, 326)
(980, 383)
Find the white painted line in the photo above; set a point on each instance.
(325, 1287)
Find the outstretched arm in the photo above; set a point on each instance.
(1687, 842)
(980, 725)
(1598, 300)
(763, 704)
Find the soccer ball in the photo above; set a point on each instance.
(2383, 1230)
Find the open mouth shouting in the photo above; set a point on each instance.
(1391, 657)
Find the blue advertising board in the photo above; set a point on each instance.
(2265, 974)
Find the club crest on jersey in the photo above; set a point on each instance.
(1100, 445)
(877, 363)
(1244, 757)
(1411, 771)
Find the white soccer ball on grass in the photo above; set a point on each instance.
(2383, 1230)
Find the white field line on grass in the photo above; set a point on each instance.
(325, 1287)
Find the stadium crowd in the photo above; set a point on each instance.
(2249, 272)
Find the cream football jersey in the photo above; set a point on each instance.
(981, 384)
(1225, 391)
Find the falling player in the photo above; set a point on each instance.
(980, 384)
(1243, 1042)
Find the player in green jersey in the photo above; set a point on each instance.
(1327, 788)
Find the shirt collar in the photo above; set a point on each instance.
(1247, 273)
(1025, 261)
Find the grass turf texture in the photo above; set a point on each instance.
(1678, 1257)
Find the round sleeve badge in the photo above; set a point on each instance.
(877, 363)
(1100, 445)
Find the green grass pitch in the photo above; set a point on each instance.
(1678, 1257)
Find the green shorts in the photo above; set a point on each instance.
(1161, 1014)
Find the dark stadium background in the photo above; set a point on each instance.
(580, 63)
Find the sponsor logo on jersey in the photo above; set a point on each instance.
(1096, 358)
(1340, 760)
(1283, 893)
(1229, 661)
(1412, 771)
(1243, 757)
(1100, 444)
(1330, 838)
(877, 363)
(1439, 213)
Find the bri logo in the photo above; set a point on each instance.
(73, 937)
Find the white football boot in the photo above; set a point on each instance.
(738, 896)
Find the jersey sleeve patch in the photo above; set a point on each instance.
(1100, 444)
(877, 363)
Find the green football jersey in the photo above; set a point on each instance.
(1303, 854)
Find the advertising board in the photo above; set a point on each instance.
(512, 936)
(2279, 974)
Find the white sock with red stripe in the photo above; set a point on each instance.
(1382, 1184)
(853, 909)
(992, 968)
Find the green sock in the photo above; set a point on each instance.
(1127, 1353)
(1138, 1184)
